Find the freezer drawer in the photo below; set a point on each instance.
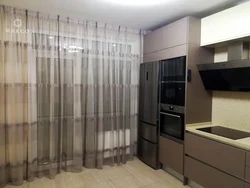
(147, 152)
(148, 132)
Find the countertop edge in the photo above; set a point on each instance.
(234, 143)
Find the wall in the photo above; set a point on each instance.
(231, 109)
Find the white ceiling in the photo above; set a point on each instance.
(141, 17)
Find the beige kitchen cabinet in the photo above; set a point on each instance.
(166, 54)
(171, 154)
(221, 156)
(175, 34)
(209, 177)
(153, 41)
(172, 35)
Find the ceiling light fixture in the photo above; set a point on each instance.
(139, 2)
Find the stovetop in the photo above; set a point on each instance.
(226, 132)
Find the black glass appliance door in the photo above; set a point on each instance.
(173, 93)
(172, 124)
(173, 69)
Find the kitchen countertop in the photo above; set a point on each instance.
(240, 143)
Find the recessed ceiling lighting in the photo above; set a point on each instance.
(139, 2)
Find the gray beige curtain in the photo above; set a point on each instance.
(68, 94)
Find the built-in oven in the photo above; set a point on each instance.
(173, 93)
(172, 125)
(172, 98)
(173, 69)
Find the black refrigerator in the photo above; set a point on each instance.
(148, 114)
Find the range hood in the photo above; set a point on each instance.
(233, 75)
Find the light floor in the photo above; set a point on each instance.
(131, 175)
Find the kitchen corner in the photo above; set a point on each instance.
(243, 143)
(217, 156)
(196, 89)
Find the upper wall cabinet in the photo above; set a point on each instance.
(227, 25)
(175, 34)
(153, 41)
(172, 35)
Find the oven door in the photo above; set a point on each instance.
(173, 69)
(172, 125)
(173, 93)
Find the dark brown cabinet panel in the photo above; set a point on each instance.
(247, 175)
(248, 159)
(247, 185)
(209, 177)
(221, 156)
(171, 154)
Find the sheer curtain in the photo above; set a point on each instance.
(68, 94)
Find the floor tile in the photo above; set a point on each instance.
(93, 176)
(106, 184)
(134, 174)
(115, 172)
(51, 183)
(147, 177)
(126, 182)
(77, 180)
(136, 166)
(168, 178)
(161, 184)
(60, 181)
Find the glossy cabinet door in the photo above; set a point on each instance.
(247, 174)
(248, 159)
(216, 154)
(153, 41)
(171, 154)
(209, 177)
(149, 92)
(175, 34)
(169, 36)
(247, 185)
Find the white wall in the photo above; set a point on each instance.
(226, 25)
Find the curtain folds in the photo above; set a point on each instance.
(68, 94)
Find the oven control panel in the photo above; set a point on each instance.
(172, 108)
